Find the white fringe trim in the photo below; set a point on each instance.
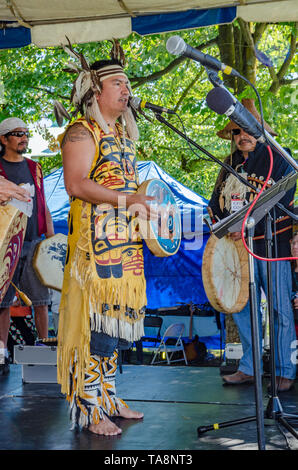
(117, 328)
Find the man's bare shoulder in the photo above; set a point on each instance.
(77, 133)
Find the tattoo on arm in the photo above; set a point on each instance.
(76, 133)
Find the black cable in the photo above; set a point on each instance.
(260, 106)
(276, 289)
(189, 143)
(284, 435)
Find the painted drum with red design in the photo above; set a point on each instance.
(12, 232)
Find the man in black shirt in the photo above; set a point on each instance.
(19, 170)
(251, 159)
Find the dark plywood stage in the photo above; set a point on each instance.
(175, 400)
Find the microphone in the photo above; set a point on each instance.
(177, 46)
(222, 102)
(138, 105)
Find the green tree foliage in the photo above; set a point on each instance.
(263, 53)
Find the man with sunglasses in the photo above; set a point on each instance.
(251, 159)
(17, 170)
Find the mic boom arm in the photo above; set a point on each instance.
(222, 101)
(222, 164)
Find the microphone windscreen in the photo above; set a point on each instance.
(219, 100)
(134, 102)
(175, 45)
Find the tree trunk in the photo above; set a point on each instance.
(226, 45)
(236, 47)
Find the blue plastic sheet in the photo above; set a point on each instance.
(190, 19)
(14, 37)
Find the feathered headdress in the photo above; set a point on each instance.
(89, 82)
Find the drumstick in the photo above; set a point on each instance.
(23, 296)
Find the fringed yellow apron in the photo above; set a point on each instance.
(104, 287)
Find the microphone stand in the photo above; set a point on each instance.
(255, 326)
(227, 167)
(274, 408)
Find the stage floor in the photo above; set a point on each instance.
(175, 400)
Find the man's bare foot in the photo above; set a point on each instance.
(129, 414)
(105, 427)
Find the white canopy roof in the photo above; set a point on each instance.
(49, 21)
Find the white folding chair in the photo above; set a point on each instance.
(173, 331)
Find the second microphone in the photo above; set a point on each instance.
(139, 105)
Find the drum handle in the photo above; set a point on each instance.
(23, 296)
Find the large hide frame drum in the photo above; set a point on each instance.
(225, 273)
(49, 259)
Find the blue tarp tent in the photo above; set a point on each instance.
(172, 280)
